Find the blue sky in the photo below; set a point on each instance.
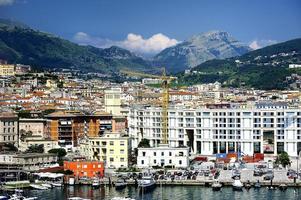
(148, 26)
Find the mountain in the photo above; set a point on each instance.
(265, 68)
(21, 44)
(198, 49)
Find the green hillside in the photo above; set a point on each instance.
(20, 44)
(264, 68)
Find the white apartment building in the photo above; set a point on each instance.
(163, 156)
(267, 128)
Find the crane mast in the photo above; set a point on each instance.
(165, 97)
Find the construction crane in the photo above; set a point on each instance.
(165, 96)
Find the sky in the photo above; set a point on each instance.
(149, 26)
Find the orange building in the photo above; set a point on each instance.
(87, 169)
(68, 127)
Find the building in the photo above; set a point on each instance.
(7, 70)
(113, 101)
(111, 148)
(28, 161)
(9, 128)
(36, 126)
(69, 127)
(83, 168)
(268, 128)
(163, 156)
(151, 81)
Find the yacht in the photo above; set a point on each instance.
(57, 184)
(96, 183)
(120, 184)
(216, 186)
(39, 187)
(146, 183)
(237, 185)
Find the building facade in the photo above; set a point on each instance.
(111, 148)
(113, 101)
(163, 156)
(7, 70)
(83, 168)
(9, 128)
(69, 127)
(268, 128)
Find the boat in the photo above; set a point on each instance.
(122, 198)
(4, 198)
(39, 187)
(283, 187)
(257, 184)
(77, 198)
(120, 184)
(248, 185)
(237, 185)
(71, 181)
(20, 197)
(47, 185)
(57, 184)
(147, 183)
(216, 186)
(96, 183)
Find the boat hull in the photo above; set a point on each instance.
(120, 186)
(147, 188)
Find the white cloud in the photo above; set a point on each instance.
(6, 2)
(133, 42)
(257, 44)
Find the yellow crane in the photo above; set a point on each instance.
(165, 96)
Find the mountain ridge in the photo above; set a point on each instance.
(200, 48)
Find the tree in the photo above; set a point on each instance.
(60, 152)
(35, 149)
(144, 143)
(283, 159)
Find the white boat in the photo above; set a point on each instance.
(71, 181)
(216, 186)
(237, 185)
(77, 198)
(39, 187)
(96, 183)
(122, 198)
(47, 185)
(20, 197)
(120, 184)
(57, 184)
(146, 183)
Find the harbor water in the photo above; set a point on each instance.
(165, 192)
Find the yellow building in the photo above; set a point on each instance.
(112, 148)
(113, 101)
(7, 70)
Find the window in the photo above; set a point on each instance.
(142, 162)
(121, 159)
(155, 161)
(121, 143)
(111, 151)
(143, 153)
(122, 151)
(162, 153)
(155, 154)
(111, 159)
(169, 161)
(180, 162)
(111, 143)
(85, 166)
(170, 153)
